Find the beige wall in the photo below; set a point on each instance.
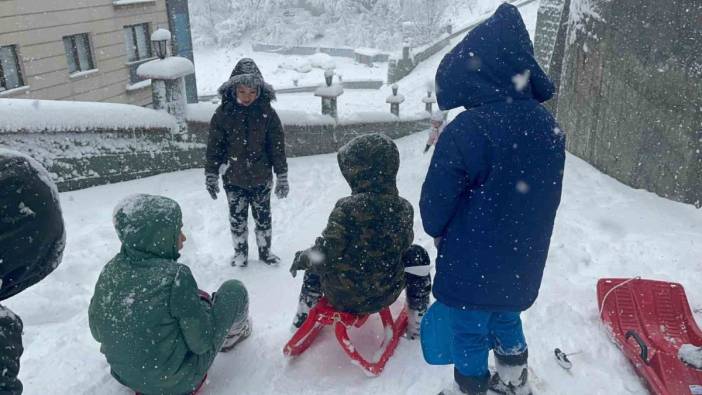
(37, 28)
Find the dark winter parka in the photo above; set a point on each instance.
(494, 183)
(367, 232)
(246, 140)
(156, 333)
(32, 239)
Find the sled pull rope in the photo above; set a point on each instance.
(604, 299)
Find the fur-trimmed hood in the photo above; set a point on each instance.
(246, 73)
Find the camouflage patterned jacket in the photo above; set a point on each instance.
(367, 233)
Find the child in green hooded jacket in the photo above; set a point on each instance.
(158, 334)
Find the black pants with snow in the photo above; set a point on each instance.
(259, 198)
(417, 281)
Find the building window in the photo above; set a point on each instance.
(78, 53)
(137, 39)
(10, 72)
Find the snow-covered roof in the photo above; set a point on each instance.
(25, 115)
(166, 69)
(334, 90)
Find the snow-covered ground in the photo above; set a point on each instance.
(603, 229)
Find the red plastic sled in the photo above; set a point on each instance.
(650, 320)
(324, 314)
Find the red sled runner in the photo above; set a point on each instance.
(323, 314)
(650, 320)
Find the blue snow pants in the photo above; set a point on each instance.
(476, 332)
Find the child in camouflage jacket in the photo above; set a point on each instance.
(364, 257)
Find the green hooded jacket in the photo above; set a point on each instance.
(367, 232)
(155, 331)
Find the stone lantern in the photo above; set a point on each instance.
(395, 100)
(167, 78)
(329, 93)
(160, 39)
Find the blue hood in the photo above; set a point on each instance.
(494, 63)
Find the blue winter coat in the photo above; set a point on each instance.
(494, 182)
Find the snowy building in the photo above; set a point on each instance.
(86, 50)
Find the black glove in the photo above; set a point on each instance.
(212, 184)
(301, 262)
(282, 188)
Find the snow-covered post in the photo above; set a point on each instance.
(329, 92)
(167, 79)
(429, 100)
(395, 99)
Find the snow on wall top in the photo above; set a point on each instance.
(382, 117)
(368, 51)
(25, 115)
(166, 69)
(580, 12)
(130, 2)
(202, 112)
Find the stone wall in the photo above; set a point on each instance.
(81, 159)
(302, 140)
(630, 95)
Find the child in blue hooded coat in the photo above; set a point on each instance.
(490, 198)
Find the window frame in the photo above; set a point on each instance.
(18, 70)
(75, 55)
(134, 40)
(129, 32)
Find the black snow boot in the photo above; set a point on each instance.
(511, 374)
(268, 257)
(309, 296)
(417, 287)
(471, 385)
(240, 259)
